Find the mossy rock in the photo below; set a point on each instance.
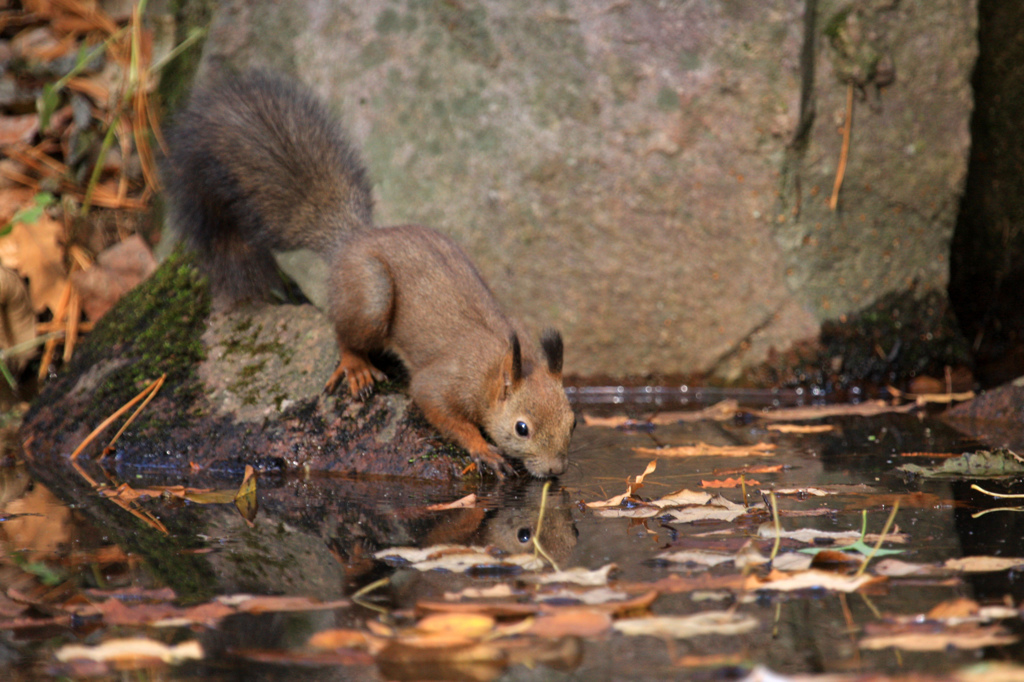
(242, 386)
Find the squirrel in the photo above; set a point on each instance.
(257, 164)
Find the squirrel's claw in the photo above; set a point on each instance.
(493, 460)
(360, 373)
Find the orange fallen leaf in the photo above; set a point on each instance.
(462, 503)
(801, 428)
(578, 622)
(728, 483)
(960, 607)
(705, 450)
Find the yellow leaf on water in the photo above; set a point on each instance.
(245, 500)
(132, 650)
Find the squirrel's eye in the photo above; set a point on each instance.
(522, 429)
(524, 534)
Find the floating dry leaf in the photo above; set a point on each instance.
(683, 506)
(576, 576)
(255, 604)
(697, 556)
(471, 625)
(932, 398)
(575, 622)
(957, 608)
(801, 428)
(466, 502)
(135, 650)
(718, 509)
(721, 411)
(600, 595)
(343, 638)
(457, 558)
(792, 562)
(498, 591)
(895, 568)
(246, 501)
(983, 564)
(683, 627)
(802, 492)
(631, 487)
(810, 579)
(813, 536)
(870, 408)
(926, 638)
(705, 450)
(728, 483)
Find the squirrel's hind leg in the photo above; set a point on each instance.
(361, 306)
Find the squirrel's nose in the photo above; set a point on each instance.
(559, 467)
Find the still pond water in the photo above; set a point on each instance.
(325, 539)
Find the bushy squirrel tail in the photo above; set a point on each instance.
(259, 164)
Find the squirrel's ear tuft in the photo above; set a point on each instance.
(511, 372)
(517, 358)
(551, 345)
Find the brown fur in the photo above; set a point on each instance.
(257, 164)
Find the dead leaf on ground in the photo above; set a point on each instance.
(17, 319)
(36, 252)
(15, 129)
(115, 272)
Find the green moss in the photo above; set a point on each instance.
(156, 328)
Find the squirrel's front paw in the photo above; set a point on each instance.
(493, 460)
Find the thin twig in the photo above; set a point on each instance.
(778, 526)
(881, 539)
(152, 388)
(106, 422)
(540, 519)
(844, 152)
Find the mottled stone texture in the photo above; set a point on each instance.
(650, 177)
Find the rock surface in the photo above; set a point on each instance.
(651, 178)
(242, 387)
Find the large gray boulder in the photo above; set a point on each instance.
(652, 178)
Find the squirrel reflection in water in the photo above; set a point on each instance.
(504, 520)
